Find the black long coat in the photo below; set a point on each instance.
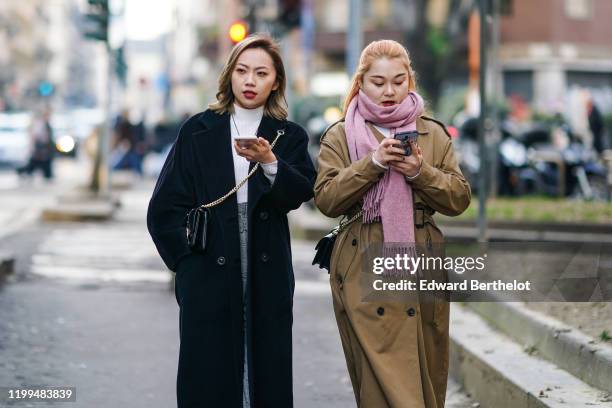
(199, 169)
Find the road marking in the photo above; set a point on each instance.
(102, 275)
(99, 253)
(8, 180)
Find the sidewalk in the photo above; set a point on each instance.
(313, 225)
(24, 199)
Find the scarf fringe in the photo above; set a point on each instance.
(373, 199)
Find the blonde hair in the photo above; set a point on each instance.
(276, 104)
(374, 51)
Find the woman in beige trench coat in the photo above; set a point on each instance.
(396, 353)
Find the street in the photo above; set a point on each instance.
(91, 307)
(505, 124)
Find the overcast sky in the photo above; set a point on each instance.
(147, 19)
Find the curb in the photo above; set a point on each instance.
(467, 235)
(85, 211)
(470, 234)
(559, 343)
(499, 374)
(312, 225)
(569, 227)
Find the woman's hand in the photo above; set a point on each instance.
(257, 151)
(388, 150)
(409, 165)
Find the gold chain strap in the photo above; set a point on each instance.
(344, 224)
(279, 133)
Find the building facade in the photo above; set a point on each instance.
(554, 52)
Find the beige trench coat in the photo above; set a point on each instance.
(396, 353)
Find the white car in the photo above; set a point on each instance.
(14, 138)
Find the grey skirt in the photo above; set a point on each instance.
(243, 223)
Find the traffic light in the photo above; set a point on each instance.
(96, 20)
(238, 31)
(289, 13)
(45, 88)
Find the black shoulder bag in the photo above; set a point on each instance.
(325, 246)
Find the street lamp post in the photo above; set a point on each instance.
(97, 28)
(482, 119)
(354, 36)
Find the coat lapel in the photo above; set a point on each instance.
(216, 160)
(267, 129)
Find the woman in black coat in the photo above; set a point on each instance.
(236, 296)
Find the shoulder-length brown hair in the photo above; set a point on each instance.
(376, 50)
(276, 105)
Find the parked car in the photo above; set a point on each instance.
(14, 139)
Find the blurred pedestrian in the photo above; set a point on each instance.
(236, 295)
(42, 147)
(596, 125)
(164, 133)
(396, 352)
(128, 144)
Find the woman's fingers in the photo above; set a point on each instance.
(396, 150)
(415, 148)
(263, 142)
(238, 149)
(390, 142)
(255, 151)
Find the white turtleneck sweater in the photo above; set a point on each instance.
(247, 121)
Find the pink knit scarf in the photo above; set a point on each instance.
(390, 199)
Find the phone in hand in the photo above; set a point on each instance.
(406, 138)
(245, 141)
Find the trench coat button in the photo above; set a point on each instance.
(380, 311)
(339, 279)
(221, 261)
(411, 312)
(263, 215)
(264, 257)
(354, 242)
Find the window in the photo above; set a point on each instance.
(519, 83)
(506, 7)
(591, 80)
(579, 9)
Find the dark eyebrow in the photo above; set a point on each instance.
(246, 66)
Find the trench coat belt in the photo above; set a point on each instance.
(421, 213)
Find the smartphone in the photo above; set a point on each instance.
(406, 138)
(245, 141)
